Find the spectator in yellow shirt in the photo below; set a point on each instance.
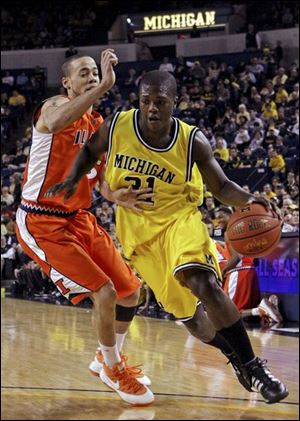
(269, 113)
(269, 192)
(281, 96)
(16, 99)
(221, 149)
(277, 162)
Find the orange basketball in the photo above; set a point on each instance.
(253, 230)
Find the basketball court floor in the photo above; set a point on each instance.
(46, 350)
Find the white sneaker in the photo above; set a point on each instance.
(270, 310)
(95, 368)
(122, 381)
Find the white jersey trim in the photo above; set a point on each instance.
(27, 237)
(38, 164)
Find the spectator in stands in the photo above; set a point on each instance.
(269, 192)
(17, 103)
(6, 197)
(234, 159)
(276, 162)
(280, 78)
(278, 53)
(181, 69)
(253, 39)
(211, 207)
(143, 51)
(131, 78)
(242, 138)
(243, 113)
(166, 66)
(21, 80)
(198, 71)
(269, 112)
(8, 80)
(247, 161)
(221, 148)
(290, 181)
(281, 96)
(257, 140)
(8, 255)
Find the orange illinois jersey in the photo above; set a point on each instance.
(50, 160)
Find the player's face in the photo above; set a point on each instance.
(156, 105)
(83, 77)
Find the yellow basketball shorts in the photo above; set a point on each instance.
(182, 245)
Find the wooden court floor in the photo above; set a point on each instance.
(46, 349)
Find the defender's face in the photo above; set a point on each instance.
(156, 105)
(83, 76)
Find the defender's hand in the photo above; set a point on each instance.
(108, 60)
(68, 186)
(133, 199)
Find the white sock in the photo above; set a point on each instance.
(110, 354)
(120, 337)
(255, 312)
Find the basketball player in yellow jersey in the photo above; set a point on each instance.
(168, 243)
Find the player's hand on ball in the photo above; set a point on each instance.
(267, 204)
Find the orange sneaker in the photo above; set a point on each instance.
(121, 380)
(95, 368)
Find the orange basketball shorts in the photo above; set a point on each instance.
(77, 254)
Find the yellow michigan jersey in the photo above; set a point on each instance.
(168, 236)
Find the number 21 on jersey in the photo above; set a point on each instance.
(137, 184)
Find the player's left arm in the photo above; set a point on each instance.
(225, 190)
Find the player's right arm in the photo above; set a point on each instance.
(60, 112)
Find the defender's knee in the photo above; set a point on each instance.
(105, 296)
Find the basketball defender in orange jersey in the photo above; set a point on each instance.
(77, 254)
(240, 280)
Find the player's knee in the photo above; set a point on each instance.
(203, 284)
(106, 295)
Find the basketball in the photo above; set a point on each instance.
(253, 230)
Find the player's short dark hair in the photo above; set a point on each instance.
(66, 67)
(158, 78)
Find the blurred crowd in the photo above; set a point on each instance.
(20, 92)
(45, 24)
(248, 112)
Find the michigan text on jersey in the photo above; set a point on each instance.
(141, 166)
